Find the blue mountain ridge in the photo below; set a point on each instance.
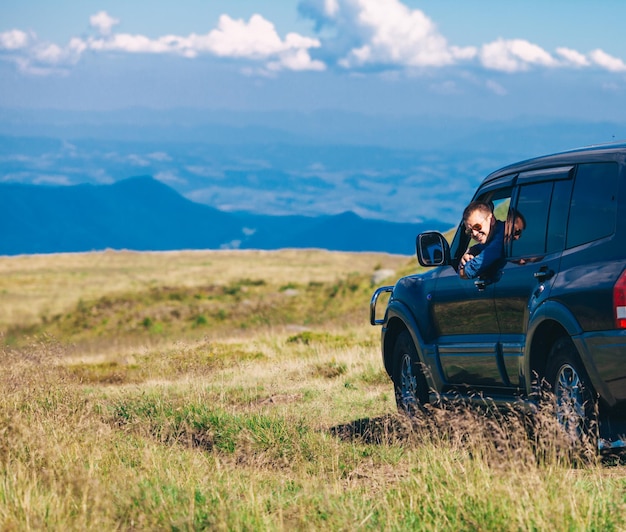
(143, 214)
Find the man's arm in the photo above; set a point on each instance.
(474, 266)
(467, 256)
(491, 253)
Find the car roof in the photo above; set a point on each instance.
(594, 153)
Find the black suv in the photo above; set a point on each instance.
(553, 311)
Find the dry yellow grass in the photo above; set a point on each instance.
(38, 286)
(272, 428)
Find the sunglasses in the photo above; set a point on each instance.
(476, 227)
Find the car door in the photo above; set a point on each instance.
(534, 240)
(465, 317)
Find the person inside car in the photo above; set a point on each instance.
(481, 259)
(516, 223)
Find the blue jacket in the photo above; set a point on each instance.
(488, 256)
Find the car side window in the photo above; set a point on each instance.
(528, 222)
(559, 211)
(593, 208)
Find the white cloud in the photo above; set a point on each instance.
(514, 55)
(144, 160)
(123, 42)
(44, 179)
(206, 171)
(495, 87)
(236, 38)
(137, 160)
(159, 156)
(464, 54)
(331, 7)
(383, 32)
(50, 54)
(573, 57)
(38, 58)
(100, 176)
(13, 40)
(103, 22)
(295, 60)
(604, 60)
(357, 35)
(169, 176)
(257, 39)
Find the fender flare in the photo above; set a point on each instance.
(556, 312)
(398, 311)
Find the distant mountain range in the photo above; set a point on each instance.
(408, 169)
(144, 214)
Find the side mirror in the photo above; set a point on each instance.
(432, 249)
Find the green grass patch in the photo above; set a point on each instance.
(329, 370)
(245, 304)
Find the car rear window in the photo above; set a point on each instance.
(593, 207)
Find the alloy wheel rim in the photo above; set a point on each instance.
(408, 383)
(570, 401)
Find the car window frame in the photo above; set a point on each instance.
(503, 185)
(556, 175)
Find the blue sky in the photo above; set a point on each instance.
(486, 58)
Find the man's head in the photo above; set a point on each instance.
(518, 226)
(516, 223)
(478, 220)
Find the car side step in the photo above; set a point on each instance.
(607, 445)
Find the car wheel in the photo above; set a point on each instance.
(574, 398)
(409, 381)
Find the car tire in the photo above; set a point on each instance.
(410, 384)
(573, 397)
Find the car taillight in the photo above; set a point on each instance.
(619, 301)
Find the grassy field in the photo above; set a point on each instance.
(245, 391)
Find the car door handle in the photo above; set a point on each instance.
(543, 274)
(480, 284)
